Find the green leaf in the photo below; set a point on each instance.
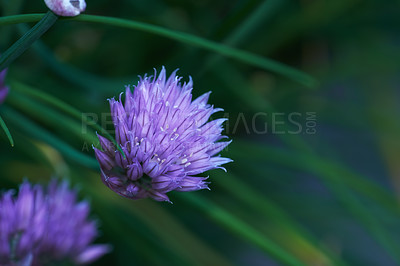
(15, 19)
(8, 134)
(27, 40)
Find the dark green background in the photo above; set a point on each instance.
(327, 198)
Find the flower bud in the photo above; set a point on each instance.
(66, 8)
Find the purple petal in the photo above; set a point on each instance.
(107, 146)
(105, 161)
(92, 253)
(201, 101)
(191, 183)
(134, 171)
(217, 147)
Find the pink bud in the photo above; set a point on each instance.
(66, 8)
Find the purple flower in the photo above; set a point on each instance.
(165, 137)
(3, 88)
(46, 225)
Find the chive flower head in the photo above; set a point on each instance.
(166, 139)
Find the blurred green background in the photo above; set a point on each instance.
(316, 171)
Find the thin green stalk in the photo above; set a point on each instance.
(27, 40)
(8, 134)
(222, 49)
(23, 18)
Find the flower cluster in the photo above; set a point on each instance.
(165, 137)
(46, 225)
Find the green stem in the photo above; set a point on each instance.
(27, 40)
(5, 128)
(243, 56)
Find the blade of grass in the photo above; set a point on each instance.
(8, 134)
(243, 56)
(23, 18)
(27, 40)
